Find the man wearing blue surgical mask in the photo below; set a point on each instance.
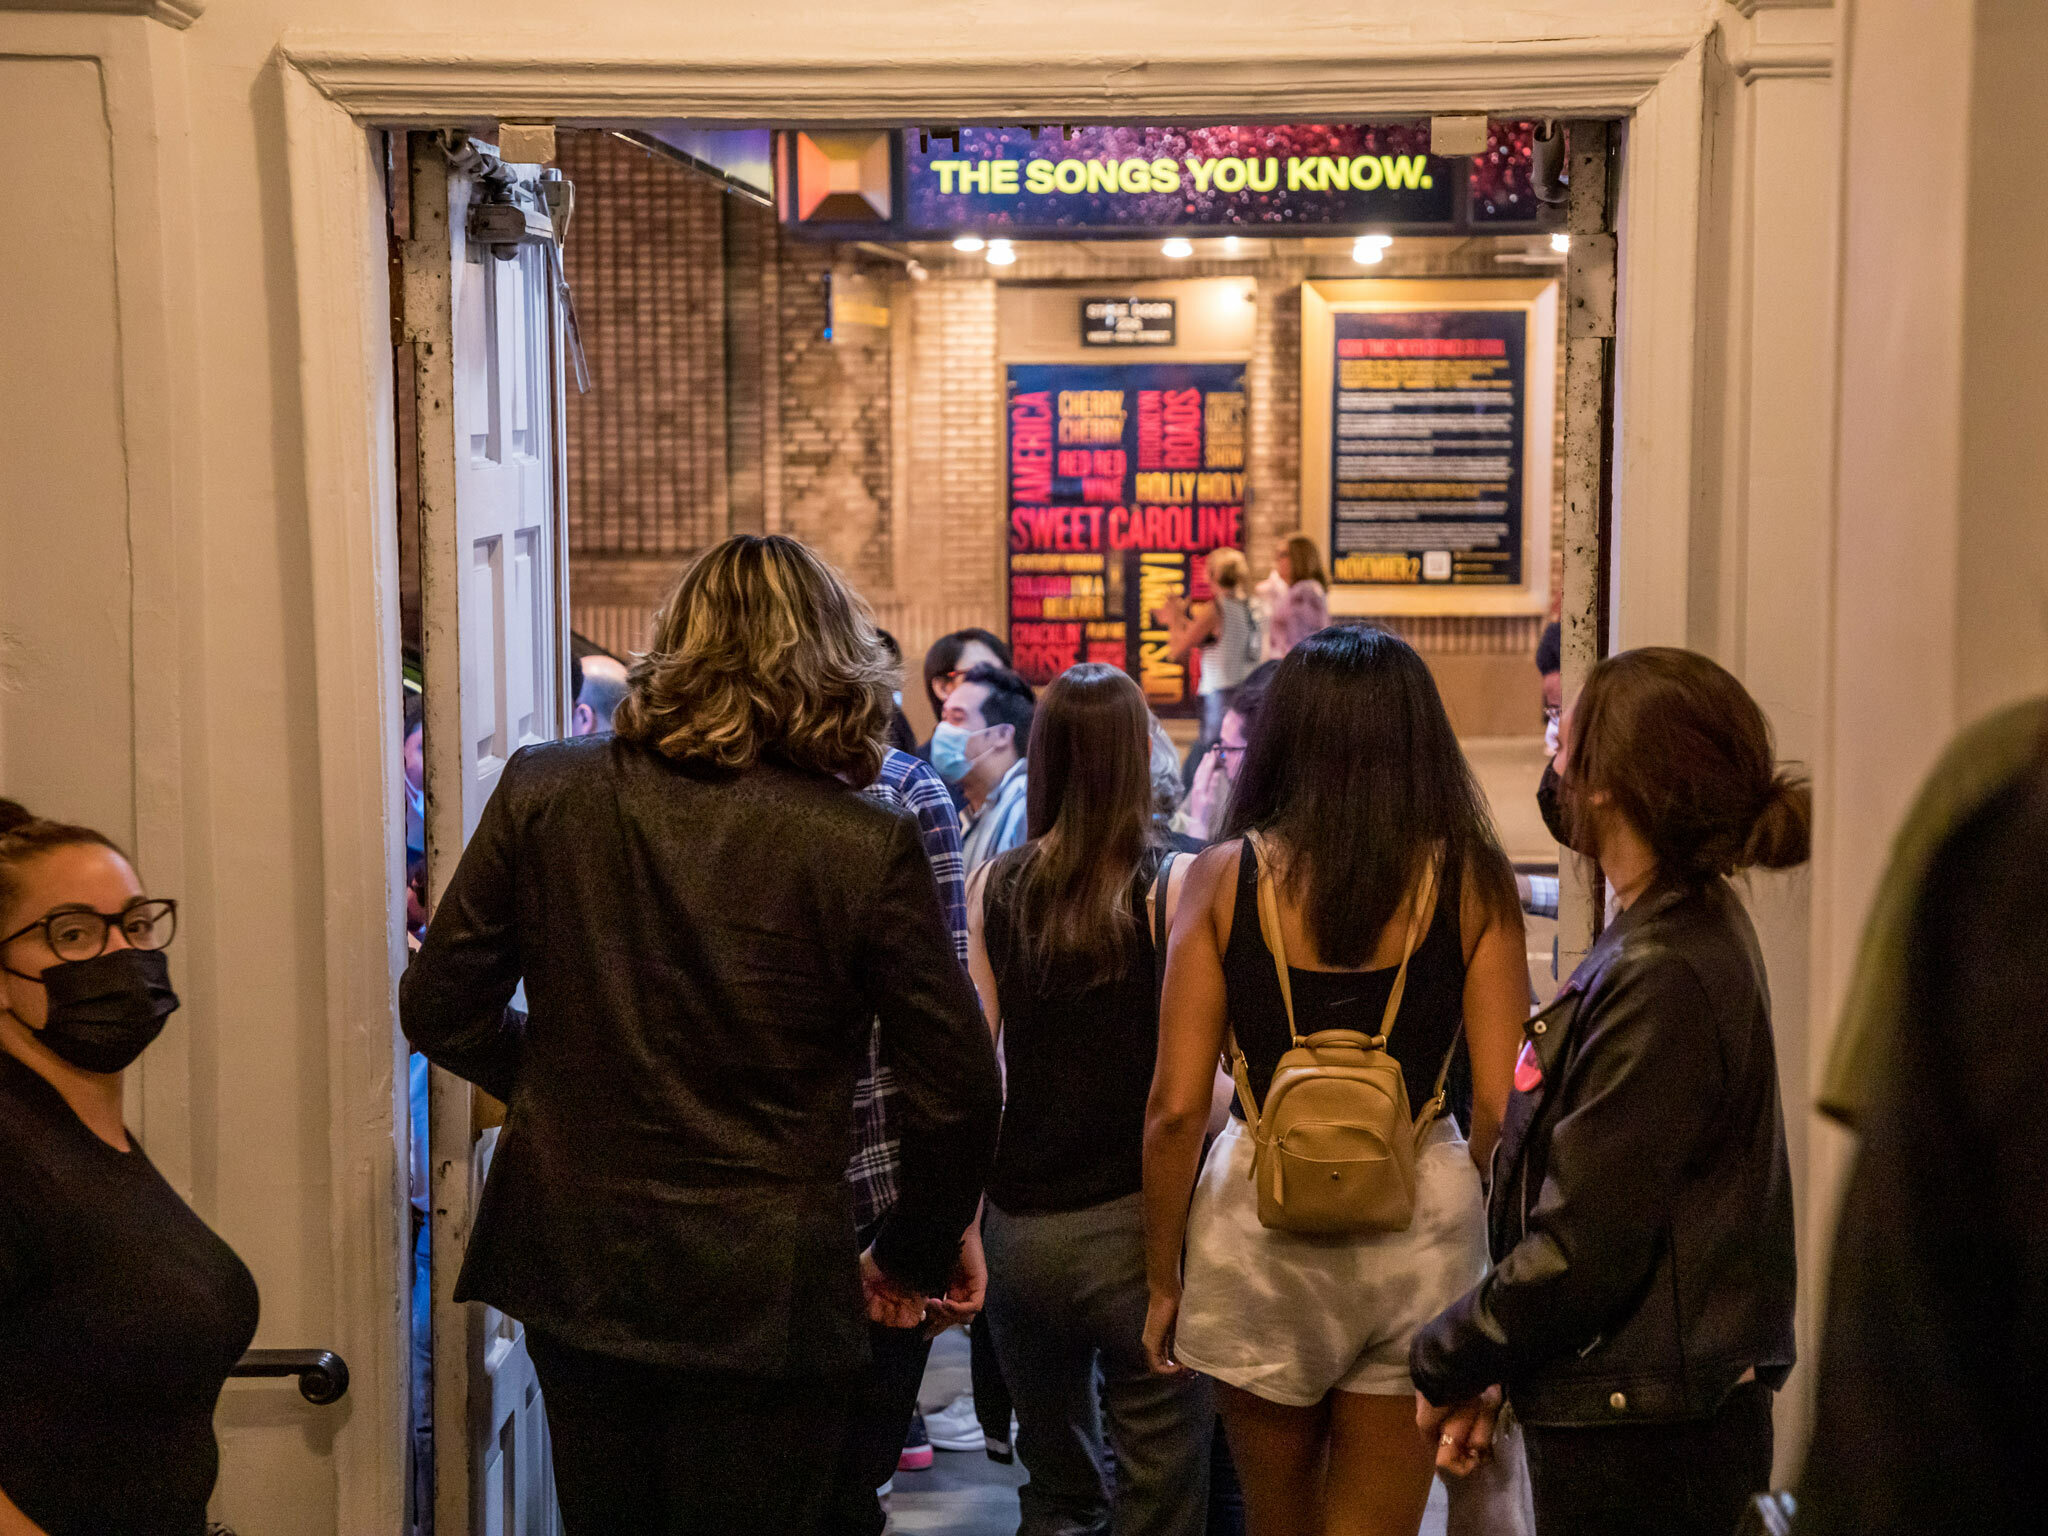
(979, 746)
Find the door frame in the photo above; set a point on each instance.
(335, 90)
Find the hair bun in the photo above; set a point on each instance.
(14, 814)
(1782, 834)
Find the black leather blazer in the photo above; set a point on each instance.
(1640, 1213)
(703, 955)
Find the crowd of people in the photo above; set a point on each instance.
(1228, 1112)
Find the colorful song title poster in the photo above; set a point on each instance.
(1426, 447)
(1122, 476)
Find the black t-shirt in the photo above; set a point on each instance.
(120, 1314)
(1432, 1013)
(1079, 1058)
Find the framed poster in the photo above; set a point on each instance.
(1121, 477)
(1426, 465)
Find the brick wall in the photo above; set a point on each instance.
(880, 447)
(646, 462)
(833, 422)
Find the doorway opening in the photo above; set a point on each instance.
(933, 411)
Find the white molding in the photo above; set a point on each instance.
(338, 245)
(1751, 7)
(1752, 59)
(1655, 361)
(1781, 42)
(172, 13)
(334, 89)
(411, 81)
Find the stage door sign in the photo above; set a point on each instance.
(1122, 476)
(1426, 448)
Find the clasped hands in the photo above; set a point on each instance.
(1463, 1432)
(894, 1305)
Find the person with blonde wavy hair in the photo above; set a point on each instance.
(707, 917)
(1222, 635)
(762, 652)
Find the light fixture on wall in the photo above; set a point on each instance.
(1561, 242)
(968, 243)
(1231, 245)
(1370, 250)
(1177, 248)
(1001, 253)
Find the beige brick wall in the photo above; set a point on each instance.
(832, 424)
(881, 448)
(646, 461)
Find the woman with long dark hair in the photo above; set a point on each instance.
(1063, 938)
(1640, 1313)
(1356, 809)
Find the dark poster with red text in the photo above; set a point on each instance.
(1122, 476)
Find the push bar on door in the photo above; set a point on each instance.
(323, 1375)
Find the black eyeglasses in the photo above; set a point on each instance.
(79, 933)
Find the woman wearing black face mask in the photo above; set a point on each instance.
(120, 1311)
(1639, 1311)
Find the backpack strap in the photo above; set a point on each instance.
(1434, 1109)
(1269, 930)
(1424, 902)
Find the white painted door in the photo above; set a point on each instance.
(485, 331)
(512, 630)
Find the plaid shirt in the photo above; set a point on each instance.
(907, 784)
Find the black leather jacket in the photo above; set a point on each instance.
(703, 957)
(1640, 1215)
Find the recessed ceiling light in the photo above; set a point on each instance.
(968, 243)
(1177, 248)
(1231, 244)
(1367, 254)
(1000, 254)
(1560, 242)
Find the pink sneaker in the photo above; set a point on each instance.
(917, 1447)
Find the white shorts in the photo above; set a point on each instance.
(1289, 1317)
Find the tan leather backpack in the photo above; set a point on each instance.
(1334, 1149)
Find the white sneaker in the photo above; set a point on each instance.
(954, 1427)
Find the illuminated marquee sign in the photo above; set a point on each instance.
(1273, 179)
(1121, 477)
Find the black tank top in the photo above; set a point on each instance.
(1079, 1059)
(1432, 1008)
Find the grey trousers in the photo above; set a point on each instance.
(1066, 1305)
